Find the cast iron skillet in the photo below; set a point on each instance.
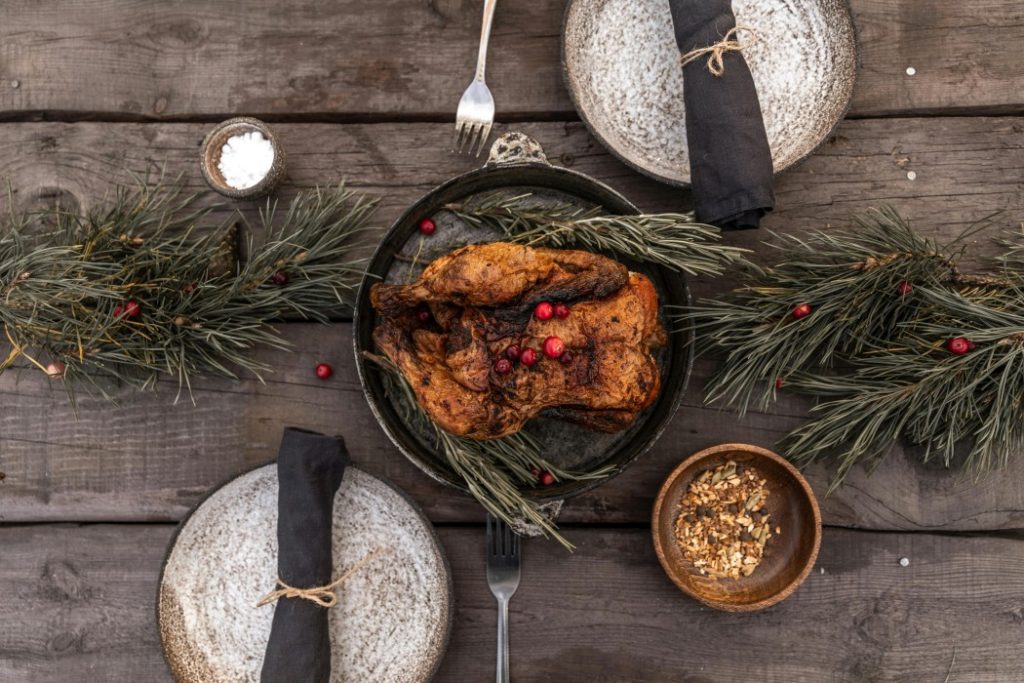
(517, 162)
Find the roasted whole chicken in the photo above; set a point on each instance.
(478, 342)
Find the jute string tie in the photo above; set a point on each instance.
(728, 43)
(320, 595)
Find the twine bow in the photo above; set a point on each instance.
(728, 43)
(320, 595)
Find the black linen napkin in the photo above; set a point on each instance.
(730, 161)
(310, 467)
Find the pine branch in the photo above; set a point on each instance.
(672, 240)
(855, 285)
(65, 293)
(496, 470)
(877, 347)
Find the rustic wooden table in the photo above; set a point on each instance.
(92, 89)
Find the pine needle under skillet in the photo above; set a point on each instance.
(499, 489)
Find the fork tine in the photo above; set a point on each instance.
(484, 128)
(456, 135)
(461, 129)
(510, 538)
(484, 132)
(474, 131)
(490, 535)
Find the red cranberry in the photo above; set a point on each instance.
(280, 278)
(959, 345)
(512, 352)
(543, 311)
(132, 309)
(566, 358)
(503, 366)
(324, 371)
(547, 478)
(528, 357)
(802, 311)
(561, 311)
(427, 226)
(905, 288)
(423, 315)
(553, 347)
(779, 382)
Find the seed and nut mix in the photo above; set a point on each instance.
(722, 527)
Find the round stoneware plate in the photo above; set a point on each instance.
(622, 70)
(393, 616)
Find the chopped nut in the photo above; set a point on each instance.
(722, 527)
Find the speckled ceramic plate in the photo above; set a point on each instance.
(393, 617)
(622, 70)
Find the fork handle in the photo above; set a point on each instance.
(502, 674)
(485, 37)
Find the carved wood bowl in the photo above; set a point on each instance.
(788, 557)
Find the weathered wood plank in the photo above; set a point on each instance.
(147, 459)
(396, 59)
(964, 168)
(81, 608)
(943, 42)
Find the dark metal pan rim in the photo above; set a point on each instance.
(493, 177)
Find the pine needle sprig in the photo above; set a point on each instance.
(64, 291)
(852, 283)
(1012, 242)
(672, 240)
(876, 349)
(921, 395)
(495, 471)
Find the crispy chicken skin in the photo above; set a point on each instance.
(482, 298)
(503, 274)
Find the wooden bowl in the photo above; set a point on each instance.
(210, 158)
(788, 557)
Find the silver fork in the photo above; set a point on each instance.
(476, 108)
(503, 578)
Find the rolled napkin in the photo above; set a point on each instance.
(730, 161)
(310, 467)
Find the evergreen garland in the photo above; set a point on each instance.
(143, 287)
(882, 327)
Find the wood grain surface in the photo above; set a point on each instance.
(79, 606)
(347, 60)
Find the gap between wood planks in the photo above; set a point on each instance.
(368, 118)
(272, 117)
(1007, 534)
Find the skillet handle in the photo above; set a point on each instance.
(550, 509)
(516, 148)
